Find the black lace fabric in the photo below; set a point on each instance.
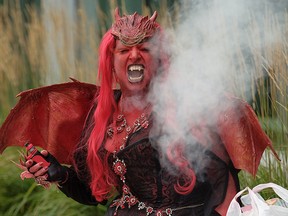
(152, 183)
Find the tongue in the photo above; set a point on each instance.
(135, 76)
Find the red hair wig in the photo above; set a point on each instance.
(101, 182)
(188, 179)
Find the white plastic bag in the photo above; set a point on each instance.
(256, 205)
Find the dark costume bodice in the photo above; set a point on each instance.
(152, 183)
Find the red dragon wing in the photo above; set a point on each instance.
(242, 135)
(50, 117)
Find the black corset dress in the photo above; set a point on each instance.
(152, 185)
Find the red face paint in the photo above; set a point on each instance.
(135, 66)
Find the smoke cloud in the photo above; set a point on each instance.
(213, 51)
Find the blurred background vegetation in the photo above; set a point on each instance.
(45, 42)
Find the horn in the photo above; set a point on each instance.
(154, 16)
(116, 14)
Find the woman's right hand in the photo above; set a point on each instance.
(37, 169)
(45, 175)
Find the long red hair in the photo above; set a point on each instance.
(188, 179)
(101, 182)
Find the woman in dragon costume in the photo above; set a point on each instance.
(107, 140)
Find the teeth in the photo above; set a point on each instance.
(135, 68)
(135, 73)
(135, 79)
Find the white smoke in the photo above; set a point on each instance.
(210, 43)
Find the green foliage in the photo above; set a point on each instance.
(25, 198)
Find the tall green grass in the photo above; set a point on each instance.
(25, 198)
(23, 65)
(271, 99)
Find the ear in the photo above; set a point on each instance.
(115, 80)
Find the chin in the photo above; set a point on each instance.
(138, 88)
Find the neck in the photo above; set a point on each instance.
(132, 103)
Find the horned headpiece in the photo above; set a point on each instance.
(133, 29)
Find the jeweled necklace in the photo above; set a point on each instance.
(121, 125)
(119, 166)
(128, 199)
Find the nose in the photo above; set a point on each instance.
(134, 54)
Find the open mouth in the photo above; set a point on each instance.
(135, 73)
